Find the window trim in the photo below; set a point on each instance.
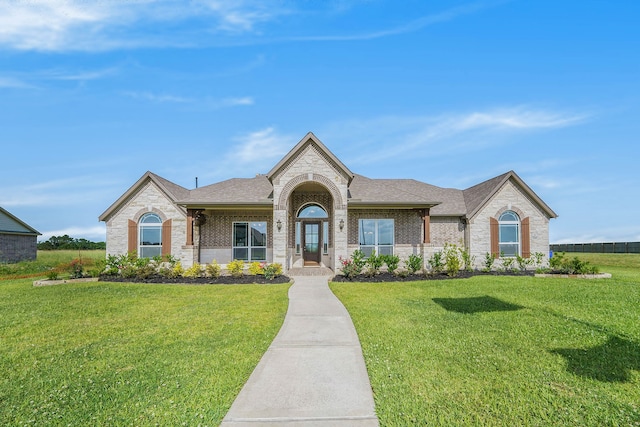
(152, 225)
(249, 246)
(518, 241)
(376, 238)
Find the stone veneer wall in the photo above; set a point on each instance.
(510, 197)
(310, 165)
(148, 199)
(18, 247)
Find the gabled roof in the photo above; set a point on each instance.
(11, 224)
(477, 196)
(237, 192)
(173, 191)
(309, 139)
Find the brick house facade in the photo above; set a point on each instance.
(310, 210)
(18, 240)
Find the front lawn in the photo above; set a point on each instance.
(104, 354)
(503, 350)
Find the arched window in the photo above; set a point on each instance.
(312, 211)
(509, 234)
(150, 236)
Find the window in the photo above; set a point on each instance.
(509, 234)
(250, 241)
(376, 235)
(150, 236)
(312, 211)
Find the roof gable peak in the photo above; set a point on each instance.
(309, 140)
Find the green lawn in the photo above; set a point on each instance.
(504, 351)
(130, 354)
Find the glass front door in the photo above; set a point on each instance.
(311, 243)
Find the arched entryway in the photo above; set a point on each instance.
(311, 213)
(312, 233)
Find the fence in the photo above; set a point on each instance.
(605, 248)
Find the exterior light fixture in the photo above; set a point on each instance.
(341, 224)
(279, 225)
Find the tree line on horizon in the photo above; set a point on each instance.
(67, 242)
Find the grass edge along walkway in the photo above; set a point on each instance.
(130, 354)
(499, 350)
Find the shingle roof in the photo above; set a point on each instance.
(13, 225)
(408, 192)
(236, 191)
(173, 192)
(475, 197)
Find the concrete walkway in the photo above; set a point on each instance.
(313, 374)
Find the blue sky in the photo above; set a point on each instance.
(94, 94)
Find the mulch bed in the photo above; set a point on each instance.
(388, 277)
(222, 280)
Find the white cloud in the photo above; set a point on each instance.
(204, 102)
(158, 97)
(445, 133)
(261, 147)
(415, 25)
(62, 25)
(13, 83)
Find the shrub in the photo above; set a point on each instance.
(76, 269)
(392, 262)
(359, 259)
(256, 268)
(213, 269)
(128, 271)
(489, 259)
(52, 274)
(374, 263)
(538, 259)
(97, 268)
(451, 259)
(177, 270)
(560, 264)
(435, 263)
(236, 267)
(467, 259)
(523, 263)
(194, 271)
(145, 271)
(349, 268)
(507, 263)
(271, 271)
(413, 263)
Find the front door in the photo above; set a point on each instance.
(311, 243)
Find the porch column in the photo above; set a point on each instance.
(190, 213)
(426, 219)
(280, 238)
(340, 237)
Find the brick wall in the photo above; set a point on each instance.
(16, 248)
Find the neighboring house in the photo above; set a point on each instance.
(310, 210)
(18, 241)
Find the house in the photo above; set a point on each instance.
(18, 241)
(311, 210)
